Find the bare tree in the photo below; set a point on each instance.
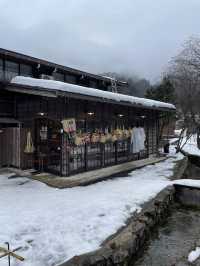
(190, 55)
(184, 72)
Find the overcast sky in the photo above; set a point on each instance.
(133, 36)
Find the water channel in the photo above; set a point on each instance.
(171, 243)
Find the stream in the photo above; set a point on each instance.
(173, 241)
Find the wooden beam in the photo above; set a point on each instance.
(31, 90)
(8, 252)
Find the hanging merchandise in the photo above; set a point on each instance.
(95, 138)
(103, 138)
(142, 138)
(78, 140)
(108, 137)
(130, 132)
(134, 140)
(86, 138)
(137, 139)
(126, 134)
(120, 134)
(114, 138)
(69, 125)
(29, 144)
(106, 130)
(71, 138)
(43, 133)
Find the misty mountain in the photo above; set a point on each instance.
(136, 86)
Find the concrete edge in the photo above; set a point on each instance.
(76, 180)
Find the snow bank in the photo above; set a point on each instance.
(194, 255)
(188, 182)
(177, 132)
(191, 146)
(66, 87)
(53, 225)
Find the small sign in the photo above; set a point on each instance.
(69, 125)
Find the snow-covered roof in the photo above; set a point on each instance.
(58, 86)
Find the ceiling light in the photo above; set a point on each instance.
(41, 114)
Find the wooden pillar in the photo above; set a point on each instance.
(116, 151)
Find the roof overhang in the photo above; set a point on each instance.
(5, 120)
(30, 90)
(47, 92)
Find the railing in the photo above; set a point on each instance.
(90, 156)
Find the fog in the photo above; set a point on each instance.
(127, 36)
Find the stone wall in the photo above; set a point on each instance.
(123, 247)
(192, 169)
(188, 196)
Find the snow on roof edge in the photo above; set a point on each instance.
(67, 87)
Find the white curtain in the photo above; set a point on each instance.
(137, 139)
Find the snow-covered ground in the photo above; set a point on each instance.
(194, 255)
(53, 225)
(188, 182)
(191, 146)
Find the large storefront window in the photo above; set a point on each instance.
(70, 79)
(11, 70)
(26, 70)
(93, 84)
(59, 76)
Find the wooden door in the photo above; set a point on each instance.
(48, 145)
(10, 147)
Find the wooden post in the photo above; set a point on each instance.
(102, 149)
(198, 137)
(19, 146)
(86, 157)
(8, 252)
(65, 155)
(116, 151)
(62, 170)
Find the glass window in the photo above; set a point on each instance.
(70, 78)
(93, 84)
(1, 69)
(11, 70)
(59, 76)
(26, 70)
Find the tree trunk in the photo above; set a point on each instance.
(198, 137)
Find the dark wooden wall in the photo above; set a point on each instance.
(28, 108)
(7, 104)
(10, 146)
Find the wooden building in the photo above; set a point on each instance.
(66, 121)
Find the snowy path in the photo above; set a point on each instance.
(53, 225)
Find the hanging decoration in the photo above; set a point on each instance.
(69, 125)
(29, 148)
(98, 135)
(138, 138)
